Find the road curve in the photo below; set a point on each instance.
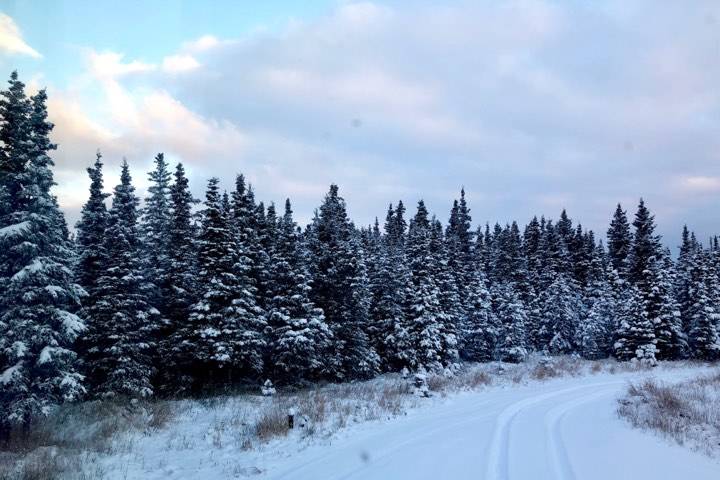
(564, 429)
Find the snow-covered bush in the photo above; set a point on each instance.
(267, 389)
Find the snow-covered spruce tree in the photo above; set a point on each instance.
(532, 238)
(226, 337)
(250, 231)
(508, 258)
(155, 230)
(480, 330)
(560, 311)
(372, 244)
(181, 283)
(597, 322)
(647, 269)
(511, 318)
(619, 240)
(120, 343)
(450, 299)
(565, 229)
(682, 281)
(183, 267)
(594, 335)
(663, 309)
(582, 250)
(424, 311)
(552, 316)
(340, 287)
(38, 298)
(635, 333)
(428, 321)
(704, 334)
(258, 252)
(90, 234)
(459, 252)
(389, 286)
(300, 340)
(645, 245)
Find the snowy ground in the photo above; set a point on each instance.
(562, 428)
(533, 421)
(687, 412)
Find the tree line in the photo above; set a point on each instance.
(169, 296)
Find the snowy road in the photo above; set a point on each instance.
(564, 429)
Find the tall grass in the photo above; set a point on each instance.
(688, 412)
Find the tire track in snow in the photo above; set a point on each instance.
(428, 433)
(498, 458)
(557, 451)
(289, 474)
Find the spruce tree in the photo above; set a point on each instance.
(596, 327)
(389, 288)
(90, 233)
(682, 281)
(155, 228)
(479, 328)
(645, 245)
(511, 318)
(532, 238)
(123, 324)
(594, 336)
(181, 282)
(560, 308)
(635, 334)
(300, 340)
(182, 261)
(459, 249)
(451, 301)
(227, 326)
(619, 240)
(340, 287)
(38, 298)
(664, 311)
(704, 334)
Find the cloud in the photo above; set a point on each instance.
(700, 184)
(532, 105)
(11, 40)
(206, 42)
(110, 65)
(179, 63)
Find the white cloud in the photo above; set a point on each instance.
(179, 63)
(531, 104)
(110, 65)
(206, 42)
(11, 40)
(700, 184)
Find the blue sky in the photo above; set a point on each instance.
(532, 105)
(140, 29)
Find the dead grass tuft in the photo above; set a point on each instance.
(272, 423)
(688, 413)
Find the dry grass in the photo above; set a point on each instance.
(272, 423)
(67, 443)
(688, 412)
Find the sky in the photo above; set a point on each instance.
(531, 105)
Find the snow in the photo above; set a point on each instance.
(72, 324)
(559, 429)
(9, 373)
(12, 230)
(19, 349)
(45, 355)
(33, 267)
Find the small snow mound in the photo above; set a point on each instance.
(267, 389)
